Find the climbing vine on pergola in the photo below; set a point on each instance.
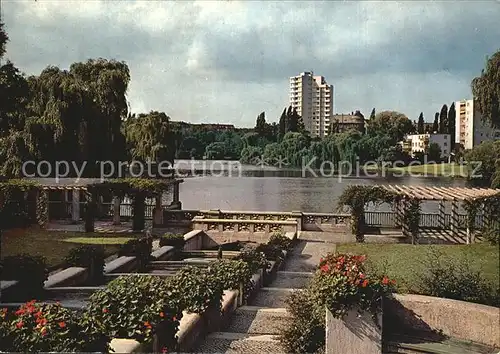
(137, 189)
(357, 198)
(22, 202)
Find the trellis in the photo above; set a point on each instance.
(472, 199)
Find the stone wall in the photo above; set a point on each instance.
(354, 334)
(457, 319)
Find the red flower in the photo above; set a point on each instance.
(38, 314)
(105, 310)
(162, 314)
(147, 324)
(393, 282)
(361, 276)
(62, 324)
(325, 268)
(164, 350)
(20, 312)
(364, 283)
(20, 324)
(385, 281)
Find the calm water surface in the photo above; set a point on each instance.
(247, 187)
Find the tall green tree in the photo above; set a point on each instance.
(261, 125)
(486, 90)
(372, 115)
(393, 124)
(3, 39)
(452, 125)
(443, 120)
(435, 125)
(282, 125)
(421, 124)
(150, 137)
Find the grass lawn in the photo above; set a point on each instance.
(54, 246)
(444, 169)
(404, 262)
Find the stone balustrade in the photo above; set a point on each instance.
(304, 221)
(244, 225)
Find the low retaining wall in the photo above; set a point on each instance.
(122, 264)
(194, 240)
(356, 333)
(457, 319)
(68, 277)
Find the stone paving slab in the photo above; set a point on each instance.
(271, 297)
(255, 320)
(230, 343)
(305, 256)
(291, 280)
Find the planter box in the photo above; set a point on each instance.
(355, 333)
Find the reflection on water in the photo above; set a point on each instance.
(272, 189)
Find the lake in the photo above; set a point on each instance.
(228, 185)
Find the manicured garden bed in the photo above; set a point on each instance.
(53, 245)
(405, 263)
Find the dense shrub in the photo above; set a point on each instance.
(340, 284)
(88, 256)
(196, 289)
(133, 306)
(304, 331)
(38, 327)
(492, 235)
(174, 240)
(140, 248)
(456, 279)
(231, 275)
(254, 257)
(30, 271)
(280, 240)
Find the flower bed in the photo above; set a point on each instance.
(341, 283)
(144, 308)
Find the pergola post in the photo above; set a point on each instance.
(441, 215)
(158, 212)
(454, 218)
(405, 227)
(116, 210)
(75, 207)
(398, 217)
(176, 204)
(138, 210)
(90, 212)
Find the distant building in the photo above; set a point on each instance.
(312, 97)
(415, 143)
(470, 129)
(342, 122)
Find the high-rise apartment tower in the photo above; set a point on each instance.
(313, 98)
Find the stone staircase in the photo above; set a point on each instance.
(254, 328)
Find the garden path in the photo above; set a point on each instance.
(254, 328)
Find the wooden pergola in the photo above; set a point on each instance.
(454, 195)
(77, 186)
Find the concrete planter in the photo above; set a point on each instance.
(355, 333)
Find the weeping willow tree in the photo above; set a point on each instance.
(149, 137)
(486, 90)
(76, 114)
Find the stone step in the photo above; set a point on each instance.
(224, 342)
(258, 320)
(285, 279)
(412, 345)
(272, 297)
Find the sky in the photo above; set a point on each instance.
(226, 61)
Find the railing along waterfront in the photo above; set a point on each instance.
(63, 210)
